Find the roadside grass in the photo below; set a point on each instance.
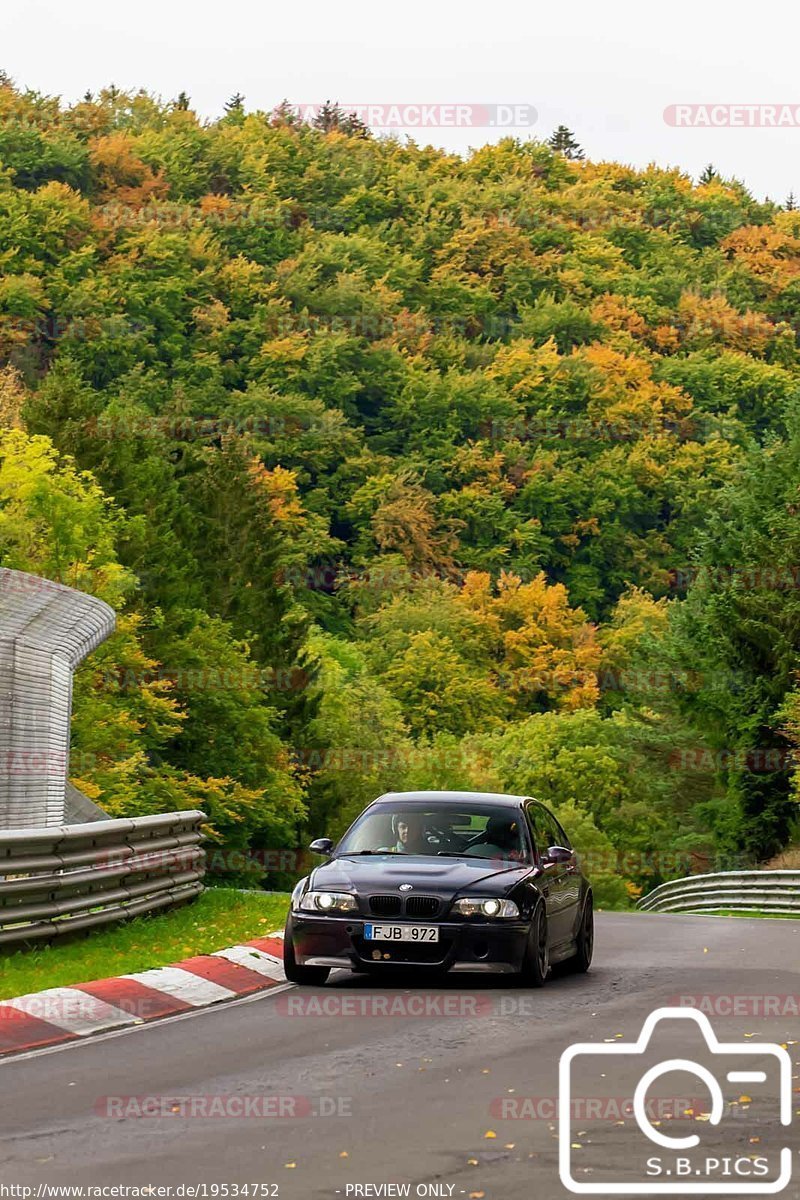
(220, 917)
(747, 912)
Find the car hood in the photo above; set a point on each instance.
(435, 876)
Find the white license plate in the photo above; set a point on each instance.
(401, 933)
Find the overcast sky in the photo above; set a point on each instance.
(608, 70)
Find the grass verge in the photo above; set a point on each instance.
(220, 917)
(749, 913)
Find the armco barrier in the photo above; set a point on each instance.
(76, 877)
(732, 891)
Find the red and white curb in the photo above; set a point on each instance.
(66, 1014)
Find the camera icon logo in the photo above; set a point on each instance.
(658, 1159)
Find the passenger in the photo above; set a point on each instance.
(501, 840)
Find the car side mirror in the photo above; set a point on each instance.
(557, 854)
(322, 846)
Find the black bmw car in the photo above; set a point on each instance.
(451, 881)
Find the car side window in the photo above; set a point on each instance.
(537, 830)
(548, 831)
(557, 830)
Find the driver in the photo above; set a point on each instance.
(410, 831)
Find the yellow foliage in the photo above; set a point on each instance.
(547, 646)
(624, 392)
(281, 488)
(523, 367)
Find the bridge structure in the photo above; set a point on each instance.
(65, 865)
(46, 631)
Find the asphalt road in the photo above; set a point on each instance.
(380, 1098)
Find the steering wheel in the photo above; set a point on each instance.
(476, 840)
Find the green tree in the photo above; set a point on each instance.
(563, 141)
(235, 104)
(333, 117)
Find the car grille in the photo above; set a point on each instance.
(385, 906)
(422, 906)
(413, 906)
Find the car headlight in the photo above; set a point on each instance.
(328, 902)
(485, 907)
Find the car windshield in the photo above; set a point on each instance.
(469, 831)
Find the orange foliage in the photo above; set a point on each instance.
(121, 173)
(771, 252)
(711, 320)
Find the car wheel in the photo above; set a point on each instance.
(295, 973)
(536, 963)
(580, 962)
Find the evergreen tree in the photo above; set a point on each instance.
(332, 117)
(283, 114)
(235, 104)
(562, 140)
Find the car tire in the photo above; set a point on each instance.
(579, 963)
(295, 973)
(536, 963)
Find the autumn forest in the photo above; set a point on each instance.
(403, 469)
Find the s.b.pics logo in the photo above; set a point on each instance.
(732, 1142)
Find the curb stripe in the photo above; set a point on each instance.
(183, 985)
(71, 1010)
(270, 945)
(234, 976)
(133, 997)
(20, 1031)
(269, 967)
(66, 1014)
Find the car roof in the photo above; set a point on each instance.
(502, 799)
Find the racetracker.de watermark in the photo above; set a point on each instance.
(741, 1004)
(219, 1105)
(425, 1005)
(733, 116)
(417, 115)
(597, 1108)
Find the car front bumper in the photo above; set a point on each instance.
(485, 946)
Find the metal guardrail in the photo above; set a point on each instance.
(730, 891)
(77, 877)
